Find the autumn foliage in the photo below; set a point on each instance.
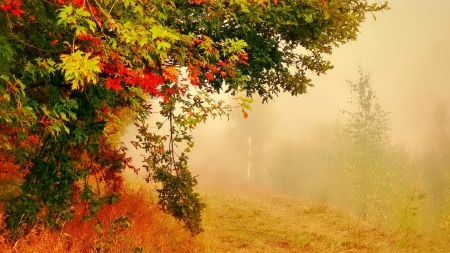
(74, 73)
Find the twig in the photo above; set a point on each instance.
(406, 211)
(112, 7)
(171, 143)
(23, 42)
(359, 218)
(92, 14)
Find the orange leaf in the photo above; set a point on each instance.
(245, 114)
(171, 73)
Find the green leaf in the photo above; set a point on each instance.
(162, 45)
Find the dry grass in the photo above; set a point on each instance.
(251, 220)
(236, 220)
(150, 230)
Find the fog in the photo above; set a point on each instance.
(406, 52)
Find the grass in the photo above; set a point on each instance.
(242, 220)
(148, 230)
(252, 220)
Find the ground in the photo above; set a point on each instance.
(237, 219)
(252, 220)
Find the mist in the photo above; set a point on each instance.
(291, 145)
(294, 140)
(407, 54)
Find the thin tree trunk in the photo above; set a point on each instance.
(249, 158)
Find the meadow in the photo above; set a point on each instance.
(237, 219)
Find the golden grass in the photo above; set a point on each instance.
(251, 220)
(150, 230)
(236, 220)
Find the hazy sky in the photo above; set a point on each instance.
(407, 52)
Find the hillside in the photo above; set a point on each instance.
(236, 220)
(251, 220)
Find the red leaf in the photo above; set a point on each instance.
(245, 114)
(17, 12)
(6, 7)
(213, 68)
(54, 42)
(94, 10)
(209, 76)
(194, 80)
(150, 83)
(113, 84)
(79, 3)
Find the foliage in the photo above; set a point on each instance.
(436, 156)
(70, 69)
(363, 145)
(435, 163)
(380, 181)
(367, 129)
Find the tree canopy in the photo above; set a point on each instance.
(73, 71)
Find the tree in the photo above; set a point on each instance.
(368, 127)
(362, 144)
(436, 159)
(436, 164)
(368, 173)
(70, 68)
(250, 136)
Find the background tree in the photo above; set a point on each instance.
(437, 155)
(70, 67)
(435, 164)
(251, 135)
(363, 143)
(378, 180)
